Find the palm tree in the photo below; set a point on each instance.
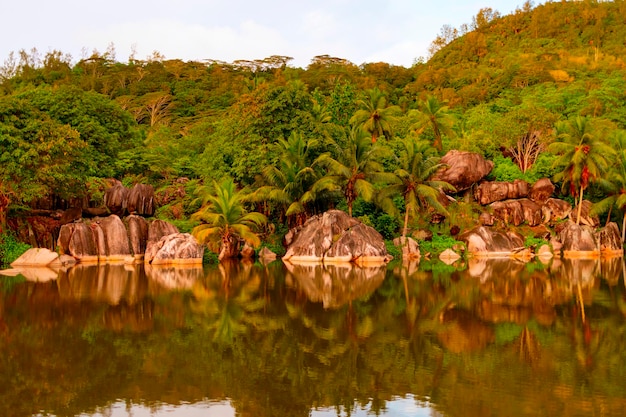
(287, 183)
(434, 113)
(374, 115)
(353, 171)
(412, 180)
(225, 219)
(582, 154)
(614, 183)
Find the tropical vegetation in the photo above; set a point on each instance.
(541, 92)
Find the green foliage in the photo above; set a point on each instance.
(209, 257)
(506, 332)
(438, 244)
(7, 283)
(386, 225)
(393, 250)
(534, 242)
(10, 249)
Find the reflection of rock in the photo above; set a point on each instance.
(579, 270)
(336, 237)
(174, 277)
(494, 268)
(612, 269)
(336, 284)
(463, 332)
(110, 283)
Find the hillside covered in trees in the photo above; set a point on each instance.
(541, 92)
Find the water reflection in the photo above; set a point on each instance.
(335, 285)
(300, 340)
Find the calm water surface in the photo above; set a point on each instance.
(495, 338)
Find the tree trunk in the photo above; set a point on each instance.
(580, 205)
(406, 223)
(230, 248)
(623, 228)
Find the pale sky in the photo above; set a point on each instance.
(362, 31)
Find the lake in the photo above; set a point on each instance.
(481, 338)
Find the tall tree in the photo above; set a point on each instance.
(583, 156)
(614, 182)
(354, 170)
(418, 163)
(288, 182)
(374, 115)
(434, 114)
(224, 219)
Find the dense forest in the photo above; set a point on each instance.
(540, 92)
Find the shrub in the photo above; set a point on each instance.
(10, 249)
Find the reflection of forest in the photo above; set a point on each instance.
(496, 338)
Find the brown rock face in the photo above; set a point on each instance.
(610, 239)
(335, 237)
(541, 190)
(175, 248)
(490, 191)
(410, 248)
(577, 238)
(586, 217)
(116, 198)
(554, 209)
(484, 241)
(116, 242)
(137, 234)
(463, 169)
(78, 240)
(141, 200)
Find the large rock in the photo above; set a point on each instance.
(487, 242)
(36, 257)
(541, 190)
(137, 235)
(610, 240)
(116, 244)
(141, 200)
(156, 230)
(488, 192)
(410, 248)
(116, 198)
(578, 241)
(463, 169)
(79, 241)
(177, 248)
(586, 217)
(336, 237)
(554, 209)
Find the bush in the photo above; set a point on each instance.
(386, 225)
(438, 244)
(10, 249)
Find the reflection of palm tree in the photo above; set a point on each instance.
(230, 308)
(354, 170)
(225, 219)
